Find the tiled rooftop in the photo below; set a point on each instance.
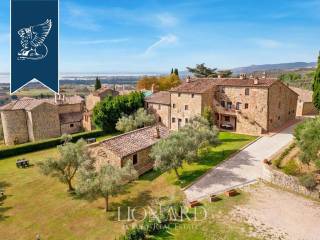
(132, 142)
(201, 85)
(162, 97)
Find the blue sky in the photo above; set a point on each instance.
(156, 35)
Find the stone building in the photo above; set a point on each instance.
(91, 100)
(245, 105)
(132, 146)
(159, 104)
(30, 119)
(305, 105)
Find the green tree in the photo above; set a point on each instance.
(97, 84)
(225, 73)
(139, 119)
(71, 157)
(171, 71)
(107, 112)
(176, 72)
(104, 182)
(182, 146)
(146, 82)
(208, 115)
(316, 86)
(308, 139)
(65, 138)
(201, 71)
(168, 82)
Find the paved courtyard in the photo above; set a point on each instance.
(243, 168)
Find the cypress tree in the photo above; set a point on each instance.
(97, 85)
(171, 70)
(316, 86)
(176, 72)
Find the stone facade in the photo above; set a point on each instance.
(305, 105)
(247, 105)
(161, 111)
(31, 119)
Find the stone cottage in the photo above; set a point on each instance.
(91, 100)
(305, 105)
(132, 146)
(30, 119)
(245, 105)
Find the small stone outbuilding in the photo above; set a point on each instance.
(305, 105)
(132, 146)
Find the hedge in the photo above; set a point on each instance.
(36, 146)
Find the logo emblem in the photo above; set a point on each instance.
(32, 41)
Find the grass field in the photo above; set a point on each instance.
(40, 204)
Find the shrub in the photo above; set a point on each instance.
(277, 162)
(308, 181)
(291, 168)
(135, 233)
(36, 146)
(151, 225)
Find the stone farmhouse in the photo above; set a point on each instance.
(245, 105)
(91, 100)
(30, 119)
(132, 146)
(305, 105)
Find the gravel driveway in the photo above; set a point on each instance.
(243, 168)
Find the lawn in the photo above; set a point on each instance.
(40, 204)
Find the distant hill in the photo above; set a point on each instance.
(279, 66)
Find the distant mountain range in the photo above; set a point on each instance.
(279, 66)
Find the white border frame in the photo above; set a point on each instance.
(58, 75)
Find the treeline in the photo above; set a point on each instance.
(296, 79)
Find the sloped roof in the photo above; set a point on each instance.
(162, 97)
(102, 91)
(134, 141)
(201, 85)
(70, 117)
(304, 95)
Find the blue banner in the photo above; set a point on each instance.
(34, 43)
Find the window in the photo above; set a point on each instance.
(192, 95)
(186, 120)
(179, 120)
(229, 105)
(246, 106)
(227, 118)
(186, 107)
(246, 91)
(279, 118)
(71, 125)
(173, 120)
(222, 89)
(179, 94)
(159, 119)
(271, 120)
(223, 104)
(238, 105)
(135, 159)
(173, 105)
(279, 105)
(159, 106)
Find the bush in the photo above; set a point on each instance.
(277, 162)
(308, 181)
(291, 168)
(151, 225)
(36, 146)
(134, 234)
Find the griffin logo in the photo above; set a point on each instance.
(32, 41)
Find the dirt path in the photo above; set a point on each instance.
(277, 214)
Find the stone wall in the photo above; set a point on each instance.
(91, 101)
(45, 122)
(69, 108)
(87, 122)
(306, 108)
(144, 161)
(282, 105)
(15, 128)
(161, 111)
(70, 128)
(288, 182)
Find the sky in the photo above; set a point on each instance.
(156, 35)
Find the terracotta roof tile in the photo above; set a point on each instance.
(132, 142)
(162, 97)
(201, 85)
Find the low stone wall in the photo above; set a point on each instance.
(288, 182)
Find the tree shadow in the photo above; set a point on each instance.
(3, 186)
(150, 175)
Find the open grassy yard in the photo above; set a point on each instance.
(40, 204)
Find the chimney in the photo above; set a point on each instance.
(188, 79)
(256, 81)
(219, 76)
(153, 90)
(243, 76)
(251, 76)
(157, 132)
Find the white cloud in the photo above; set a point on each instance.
(98, 41)
(164, 40)
(267, 43)
(167, 20)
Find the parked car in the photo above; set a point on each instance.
(227, 126)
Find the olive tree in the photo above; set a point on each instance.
(65, 167)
